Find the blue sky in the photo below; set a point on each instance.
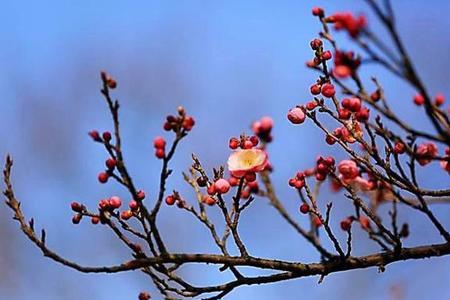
(228, 63)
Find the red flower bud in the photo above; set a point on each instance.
(115, 202)
(253, 186)
(106, 136)
(365, 222)
(133, 205)
(300, 175)
(126, 215)
(144, 296)
(327, 55)
(211, 189)
(247, 144)
(419, 100)
(254, 139)
(103, 177)
(110, 163)
(160, 153)
(112, 84)
(299, 184)
(344, 114)
(311, 105)
(354, 104)
(188, 123)
(375, 96)
(167, 126)
(304, 208)
(321, 176)
(439, 99)
(234, 143)
(95, 135)
(317, 222)
(103, 204)
(233, 181)
(346, 224)
(316, 44)
(159, 142)
(140, 195)
(318, 11)
(76, 207)
(328, 90)
(208, 200)
(170, 200)
(315, 89)
(76, 219)
(362, 115)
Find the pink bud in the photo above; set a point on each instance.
(115, 202)
(222, 186)
(133, 205)
(296, 115)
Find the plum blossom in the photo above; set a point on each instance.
(244, 161)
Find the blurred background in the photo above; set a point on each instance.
(229, 63)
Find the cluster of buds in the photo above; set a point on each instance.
(243, 142)
(298, 181)
(110, 204)
(324, 166)
(133, 206)
(323, 87)
(345, 64)
(175, 198)
(353, 106)
(104, 138)
(108, 80)
(159, 143)
(263, 128)
(348, 22)
(180, 122)
(348, 169)
(347, 134)
(350, 174)
(78, 209)
(110, 164)
(319, 54)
